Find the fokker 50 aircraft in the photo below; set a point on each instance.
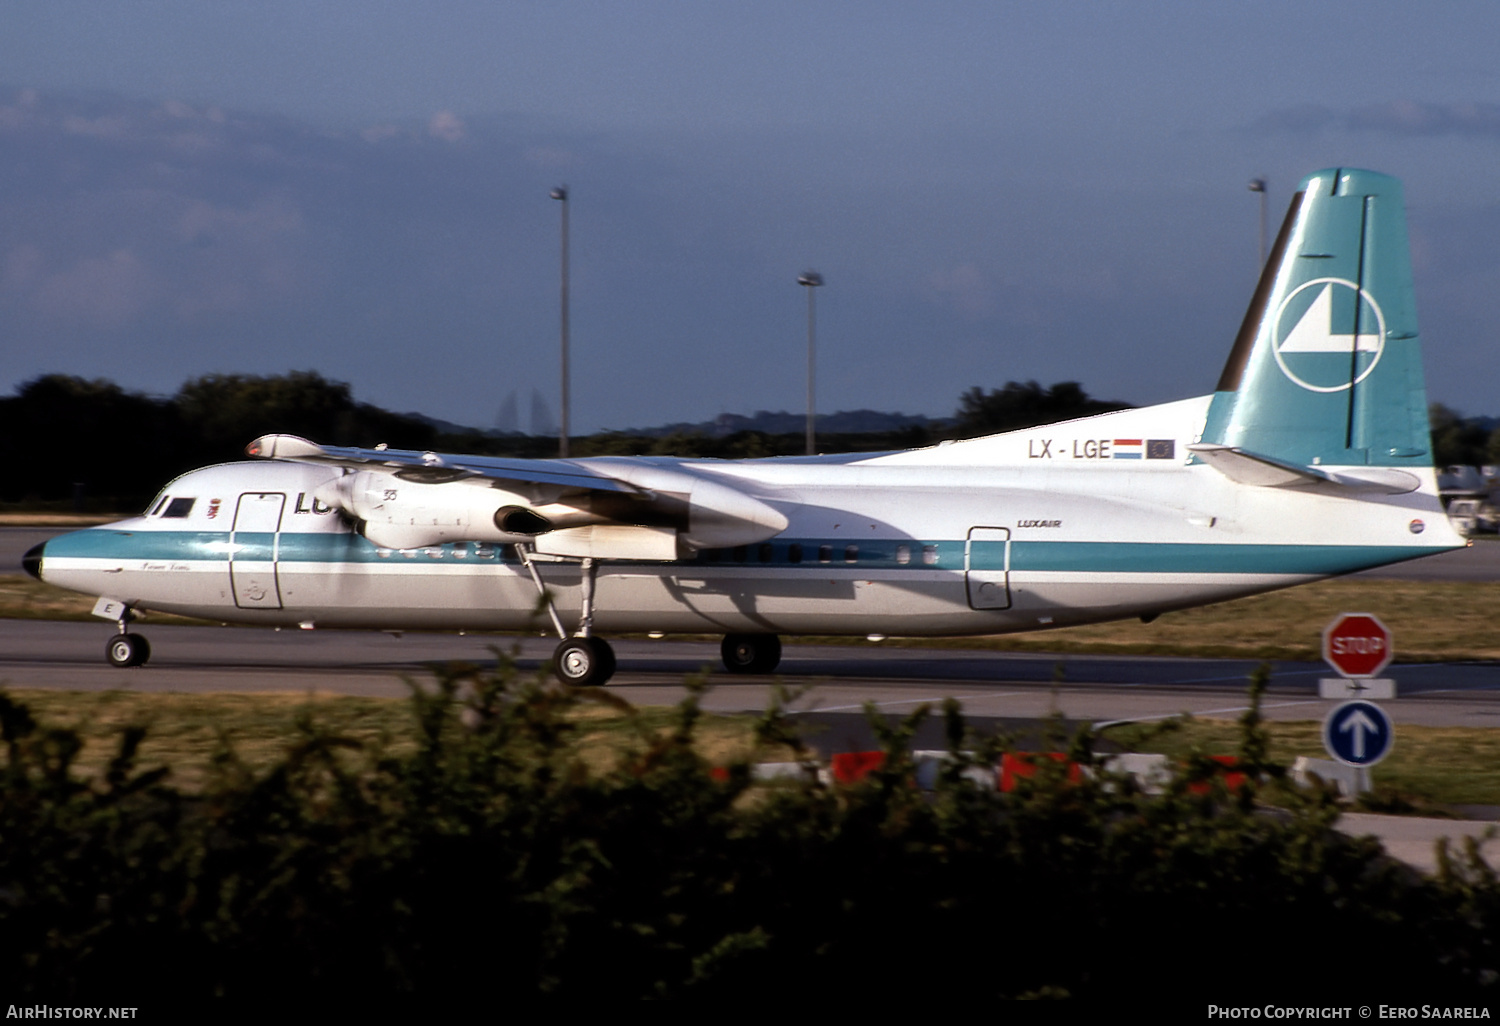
(1312, 458)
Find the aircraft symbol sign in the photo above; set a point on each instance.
(1358, 733)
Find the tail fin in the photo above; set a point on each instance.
(1327, 369)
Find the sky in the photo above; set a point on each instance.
(991, 191)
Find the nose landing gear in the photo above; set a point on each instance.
(124, 649)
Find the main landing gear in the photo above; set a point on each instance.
(124, 649)
(751, 653)
(582, 660)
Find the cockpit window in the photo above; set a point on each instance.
(156, 508)
(179, 508)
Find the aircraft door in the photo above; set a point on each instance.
(987, 567)
(253, 545)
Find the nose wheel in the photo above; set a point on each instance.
(583, 661)
(751, 653)
(126, 650)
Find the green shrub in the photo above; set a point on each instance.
(489, 864)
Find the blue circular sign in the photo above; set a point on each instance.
(1358, 733)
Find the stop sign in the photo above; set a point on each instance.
(1357, 645)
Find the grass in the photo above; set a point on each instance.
(24, 598)
(1430, 621)
(56, 518)
(185, 731)
(1428, 767)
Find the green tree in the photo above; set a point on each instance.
(226, 411)
(1457, 439)
(1026, 405)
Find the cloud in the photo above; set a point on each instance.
(445, 125)
(100, 128)
(1304, 117)
(1400, 118)
(548, 156)
(98, 292)
(1407, 117)
(17, 114)
(963, 287)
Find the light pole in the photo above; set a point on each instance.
(811, 280)
(561, 195)
(1259, 185)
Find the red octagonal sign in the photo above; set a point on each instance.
(1357, 645)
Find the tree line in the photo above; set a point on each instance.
(90, 444)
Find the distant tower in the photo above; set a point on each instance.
(541, 415)
(508, 420)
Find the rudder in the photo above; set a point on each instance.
(1327, 369)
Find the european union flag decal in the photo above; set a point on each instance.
(1161, 448)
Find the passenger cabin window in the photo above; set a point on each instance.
(825, 553)
(740, 552)
(851, 554)
(903, 554)
(929, 555)
(179, 508)
(767, 551)
(794, 553)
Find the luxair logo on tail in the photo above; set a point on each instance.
(1329, 335)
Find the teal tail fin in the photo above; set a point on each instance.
(1327, 369)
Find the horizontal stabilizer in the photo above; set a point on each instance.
(1254, 469)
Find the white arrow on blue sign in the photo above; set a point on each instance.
(1358, 733)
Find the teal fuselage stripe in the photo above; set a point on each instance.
(1054, 556)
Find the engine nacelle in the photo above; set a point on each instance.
(401, 513)
(421, 506)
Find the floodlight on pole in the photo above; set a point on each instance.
(1259, 185)
(561, 195)
(811, 280)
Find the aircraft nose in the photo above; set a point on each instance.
(32, 561)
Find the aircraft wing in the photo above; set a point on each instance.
(609, 508)
(496, 468)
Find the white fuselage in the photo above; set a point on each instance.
(1096, 519)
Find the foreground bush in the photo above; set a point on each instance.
(489, 863)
